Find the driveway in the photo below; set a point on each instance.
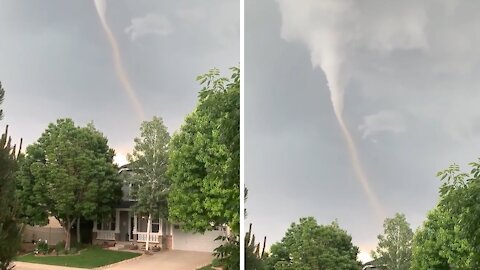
(34, 266)
(167, 260)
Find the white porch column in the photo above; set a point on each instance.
(149, 229)
(135, 223)
(117, 221)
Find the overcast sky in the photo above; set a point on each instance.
(410, 75)
(55, 61)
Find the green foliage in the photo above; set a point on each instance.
(149, 161)
(307, 245)
(204, 158)
(449, 236)
(394, 248)
(10, 229)
(60, 247)
(438, 244)
(459, 196)
(254, 259)
(68, 173)
(228, 253)
(41, 247)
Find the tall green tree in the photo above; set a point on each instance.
(307, 245)
(68, 173)
(204, 164)
(438, 244)
(459, 197)
(449, 236)
(394, 248)
(10, 229)
(254, 258)
(149, 161)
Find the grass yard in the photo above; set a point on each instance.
(90, 257)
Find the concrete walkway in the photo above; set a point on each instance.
(165, 260)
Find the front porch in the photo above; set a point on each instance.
(127, 226)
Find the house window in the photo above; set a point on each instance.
(142, 222)
(106, 225)
(112, 226)
(155, 226)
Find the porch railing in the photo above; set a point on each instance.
(154, 237)
(106, 235)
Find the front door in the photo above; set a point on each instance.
(124, 225)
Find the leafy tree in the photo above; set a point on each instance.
(307, 245)
(438, 244)
(149, 162)
(450, 234)
(10, 229)
(68, 173)
(228, 253)
(459, 196)
(394, 248)
(205, 158)
(254, 259)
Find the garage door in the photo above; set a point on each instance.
(195, 241)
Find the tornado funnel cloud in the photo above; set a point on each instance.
(101, 7)
(328, 28)
(358, 168)
(336, 87)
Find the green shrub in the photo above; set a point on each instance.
(42, 247)
(60, 246)
(216, 263)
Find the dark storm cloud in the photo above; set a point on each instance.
(55, 61)
(409, 103)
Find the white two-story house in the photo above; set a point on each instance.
(128, 226)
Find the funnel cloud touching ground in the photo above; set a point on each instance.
(407, 74)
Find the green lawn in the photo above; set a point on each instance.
(90, 257)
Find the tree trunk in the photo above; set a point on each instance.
(68, 225)
(149, 225)
(78, 231)
(67, 238)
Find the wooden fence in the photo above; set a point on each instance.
(52, 235)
